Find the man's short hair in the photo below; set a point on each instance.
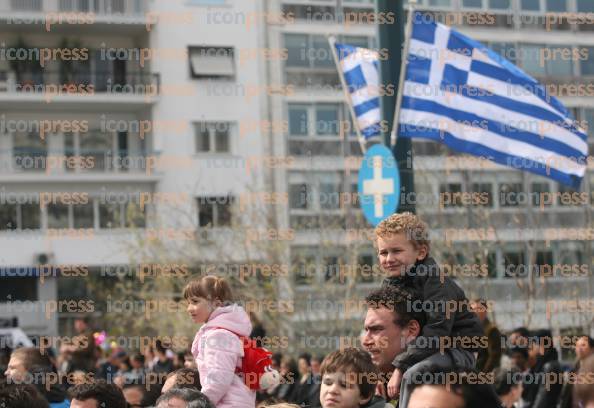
(186, 378)
(107, 395)
(306, 357)
(522, 331)
(21, 396)
(416, 231)
(194, 398)
(352, 361)
(31, 358)
(397, 300)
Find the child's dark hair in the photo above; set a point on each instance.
(211, 288)
(353, 361)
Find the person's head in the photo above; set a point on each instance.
(508, 385)
(304, 363)
(439, 389)
(135, 395)
(97, 394)
(584, 347)
(205, 295)
(519, 336)
(401, 240)
(288, 368)
(21, 396)
(137, 361)
(479, 307)
(160, 349)
(349, 378)
(178, 359)
(540, 343)
(316, 362)
(183, 398)
(182, 378)
(519, 357)
(189, 361)
(389, 325)
(24, 360)
(81, 324)
(276, 360)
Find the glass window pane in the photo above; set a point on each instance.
(560, 64)
(506, 50)
(589, 121)
(298, 196)
(30, 216)
(19, 288)
(510, 194)
(588, 64)
(303, 267)
(8, 217)
(327, 122)
(499, 4)
(585, 6)
(358, 41)
(224, 213)
(451, 194)
(445, 3)
(296, 45)
(222, 138)
(29, 151)
(531, 61)
(205, 211)
(556, 5)
(364, 269)
(330, 196)
(83, 215)
(321, 53)
(483, 193)
(472, 3)
(109, 216)
(202, 138)
(514, 264)
(135, 216)
(530, 5)
(540, 194)
(96, 144)
(57, 216)
(298, 120)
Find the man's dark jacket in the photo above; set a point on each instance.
(424, 282)
(535, 392)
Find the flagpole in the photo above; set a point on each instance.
(332, 41)
(403, 66)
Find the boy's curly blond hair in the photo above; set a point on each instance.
(416, 231)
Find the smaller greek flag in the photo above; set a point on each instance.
(359, 69)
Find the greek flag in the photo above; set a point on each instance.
(359, 68)
(460, 93)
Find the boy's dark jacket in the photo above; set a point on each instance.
(424, 282)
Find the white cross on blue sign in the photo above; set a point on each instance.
(379, 184)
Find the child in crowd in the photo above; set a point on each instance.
(349, 378)
(453, 332)
(217, 347)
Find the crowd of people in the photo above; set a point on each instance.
(409, 357)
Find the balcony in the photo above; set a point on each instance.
(79, 89)
(118, 15)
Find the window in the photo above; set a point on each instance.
(330, 195)
(531, 59)
(530, 5)
(506, 50)
(30, 216)
(510, 194)
(560, 64)
(57, 216)
(499, 4)
(484, 191)
(212, 62)
(297, 45)
(322, 56)
(83, 215)
(556, 5)
(588, 64)
(567, 196)
(589, 121)
(298, 196)
(303, 266)
(99, 146)
(514, 264)
(331, 266)
(213, 137)
(8, 217)
(215, 211)
(311, 51)
(364, 269)
(29, 151)
(543, 263)
(450, 194)
(472, 3)
(298, 125)
(327, 122)
(584, 6)
(110, 215)
(572, 253)
(443, 3)
(539, 192)
(19, 288)
(135, 217)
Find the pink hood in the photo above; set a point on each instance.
(218, 353)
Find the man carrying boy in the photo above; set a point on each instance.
(452, 331)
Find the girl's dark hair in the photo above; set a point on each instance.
(209, 287)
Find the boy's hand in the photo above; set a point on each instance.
(394, 383)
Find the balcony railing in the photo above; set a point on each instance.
(84, 83)
(99, 7)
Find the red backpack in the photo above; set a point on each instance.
(256, 364)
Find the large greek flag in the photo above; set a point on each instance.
(360, 70)
(460, 93)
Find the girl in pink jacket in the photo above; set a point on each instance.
(217, 349)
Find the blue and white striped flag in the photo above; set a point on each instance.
(460, 93)
(360, 70)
